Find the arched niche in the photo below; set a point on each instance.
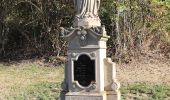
(84, 70)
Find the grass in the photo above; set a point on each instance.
(35, 82)
(143, 91)
(30, 81)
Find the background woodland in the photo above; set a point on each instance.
(31, 28)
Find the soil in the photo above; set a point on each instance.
(153, 69)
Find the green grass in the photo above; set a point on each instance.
(143, 91)
(30, 81)
(41, 91)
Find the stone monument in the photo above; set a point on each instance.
(88, 73)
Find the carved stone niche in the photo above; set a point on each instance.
(84, 75)
(84, 70)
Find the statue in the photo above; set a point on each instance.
(86, 17)
(87, 59)
(87, 13)
(86, 8)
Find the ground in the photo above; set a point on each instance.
(146, 78)
(151, 69)
(29, 80)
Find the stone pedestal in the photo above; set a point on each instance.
(87, 22)
(86, 96)
(112, 95)
(88, 73)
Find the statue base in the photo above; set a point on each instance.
(87, 22)
(112, 95)
(107, 95)
(85, 96)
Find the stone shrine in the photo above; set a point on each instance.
(88, 73)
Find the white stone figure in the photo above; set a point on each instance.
(87, 13)
(86, 8)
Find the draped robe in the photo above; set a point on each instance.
(86, 8)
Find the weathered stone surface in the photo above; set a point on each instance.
(86, 96)
(89, 75)
(112, 95)
(87, 13)
(87, 22)
(111, 83)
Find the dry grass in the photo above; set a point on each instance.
(152, 69)
(34, 81)
(17, 79)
